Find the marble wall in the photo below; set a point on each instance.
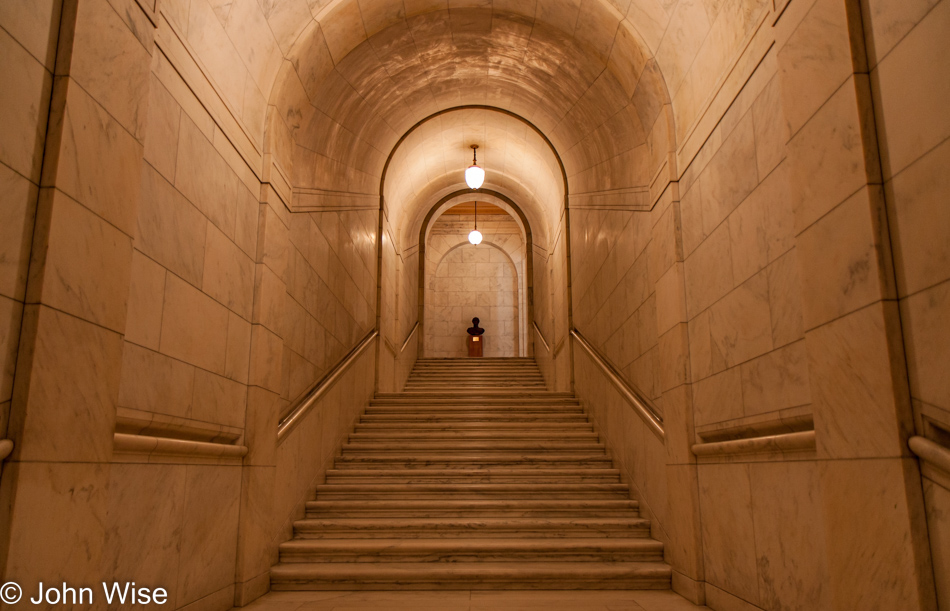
(767, 261)
(552, 349)
(399, 313)
(914, 135)
(29, 46)
(331, 301)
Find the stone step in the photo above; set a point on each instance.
(412, 446)
(466, 462)
(474, 417)
(474, 399)
(554, 428)
(464, 527)
(471, 550)
(495, 475)
(471, 576)
(472, 491)
(492, 508)
(449, 435)
(489, 394)
(474, 387)
(453, 375)
(454, 409)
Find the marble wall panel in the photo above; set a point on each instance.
(171, 231)
(164, 123)
(851, 368)
(911, 125)
(740, 325)
(11, 313)
(17, 213)
(789, 536)
(206, 179)
(81, 264)
(32, 25)
(153, 382)
(843, 258)
(146, 298)
(93, 158)
(920, 221)
(785, 300)
(776, 380)
(70, 550)
(208, 531)
(111, 63)
(228, 274)
(70, 388)
(882, 536)
(26, 104)
(194, 326)
(725, 495)
(152, 495)
(937, 503)
(928, 345)
(709, 271)
(238, 356)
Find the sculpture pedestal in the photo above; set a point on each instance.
(475, 343)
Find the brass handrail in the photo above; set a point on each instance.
(405, 344)
(641, 405)
(541, 335)
(320, 388)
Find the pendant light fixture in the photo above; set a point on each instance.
(474, 175)
(476, 236)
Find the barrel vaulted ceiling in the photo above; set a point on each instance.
(364, 72)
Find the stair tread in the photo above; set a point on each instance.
(476, 476)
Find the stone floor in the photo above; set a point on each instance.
(575, 600)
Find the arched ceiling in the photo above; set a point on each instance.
(361, 75)
(433, 158)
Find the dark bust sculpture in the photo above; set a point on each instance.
(475, 329)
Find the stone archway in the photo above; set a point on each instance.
(473, 281)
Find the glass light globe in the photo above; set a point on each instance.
(474, 177)
(475, 237)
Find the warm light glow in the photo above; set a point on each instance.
(474, 177)
(475, 237)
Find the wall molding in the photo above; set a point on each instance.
(756, 46)
(935, 459)
(165, 449)
(197, 78)
(801, 441)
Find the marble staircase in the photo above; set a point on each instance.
(475, 477)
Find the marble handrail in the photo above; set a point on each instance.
(802, 440)
(405, 344)
(310, 398)
(541, 335)
(641, 405)
(6, 447)
(143, 444)
(933, 453)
